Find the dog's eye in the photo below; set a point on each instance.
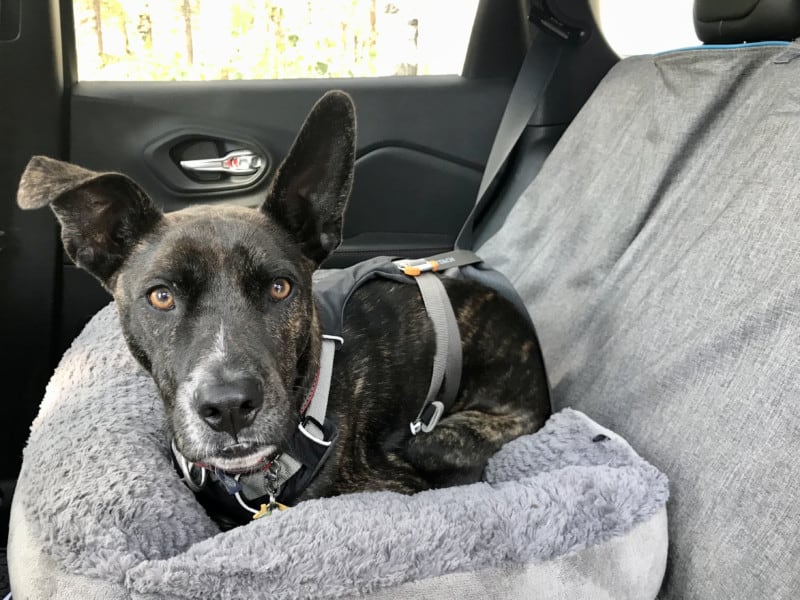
(280, 289)
(161, 298)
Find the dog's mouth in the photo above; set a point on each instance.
(241, 457)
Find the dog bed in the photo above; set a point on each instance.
(569, 512)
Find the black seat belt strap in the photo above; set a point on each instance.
(526, 96)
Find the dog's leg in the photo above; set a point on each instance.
(457, 450)
(503, 392)
(389, 471)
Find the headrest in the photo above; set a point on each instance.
(735, 21)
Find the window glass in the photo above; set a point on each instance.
(646, 26)
(145, 40)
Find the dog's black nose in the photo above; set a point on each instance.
(229, 406)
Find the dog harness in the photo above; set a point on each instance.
(274, 484)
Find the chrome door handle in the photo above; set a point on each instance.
(238, 162)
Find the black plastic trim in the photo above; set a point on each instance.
(31, 122)
(500, 37)
(10, 20)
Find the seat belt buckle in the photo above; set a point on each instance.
(542, 16)
(428, 418)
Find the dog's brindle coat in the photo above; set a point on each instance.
(216, 303)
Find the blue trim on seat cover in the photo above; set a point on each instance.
(724, 47)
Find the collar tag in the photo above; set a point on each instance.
(266, 510)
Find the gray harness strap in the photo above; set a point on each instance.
(318, 406)
(446, 360)
(315, 411)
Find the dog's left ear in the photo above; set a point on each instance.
(310, 189)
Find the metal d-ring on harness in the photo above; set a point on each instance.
(185, 468)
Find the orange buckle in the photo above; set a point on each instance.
(414, 268)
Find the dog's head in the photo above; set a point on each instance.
(216, 302)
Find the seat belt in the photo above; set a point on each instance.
(526, 96)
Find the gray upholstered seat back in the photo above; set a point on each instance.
(658, 251)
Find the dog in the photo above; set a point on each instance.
(216, 304)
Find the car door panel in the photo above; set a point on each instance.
(428, 123)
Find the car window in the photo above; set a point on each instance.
(145, 40)
(645, 26)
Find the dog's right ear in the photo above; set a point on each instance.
(102, 215)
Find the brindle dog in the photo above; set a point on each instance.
(216, 304)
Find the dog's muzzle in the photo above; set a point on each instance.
(275, 480)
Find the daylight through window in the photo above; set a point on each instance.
(645, 26)
(144, 40)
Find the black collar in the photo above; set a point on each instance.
(241, 497)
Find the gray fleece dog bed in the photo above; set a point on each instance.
(571, 511)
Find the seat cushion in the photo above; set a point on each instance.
(661, 265)
(100, 512)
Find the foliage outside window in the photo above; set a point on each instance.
(144, 40)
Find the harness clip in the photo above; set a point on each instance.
(426, 423)
(413, 267)
(416, 267)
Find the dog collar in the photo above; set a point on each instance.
(242, 497)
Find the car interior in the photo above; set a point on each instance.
(625, 198)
